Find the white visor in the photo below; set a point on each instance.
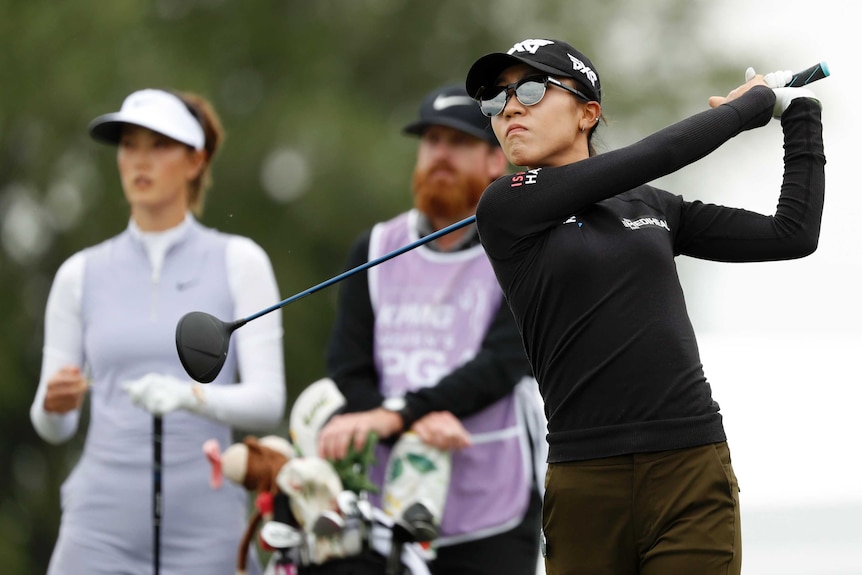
(155, 110)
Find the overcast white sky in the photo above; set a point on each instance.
(781, 342)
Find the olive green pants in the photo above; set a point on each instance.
(666, 513)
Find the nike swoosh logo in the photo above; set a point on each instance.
(442, 102)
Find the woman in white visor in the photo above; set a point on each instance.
(139, 499)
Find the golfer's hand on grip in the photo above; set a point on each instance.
(783, 96)
(160, 394)
(754, 80)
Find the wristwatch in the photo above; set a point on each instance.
(398, 405)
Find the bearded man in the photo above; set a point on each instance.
(425, 343)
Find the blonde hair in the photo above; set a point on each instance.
(214, 136)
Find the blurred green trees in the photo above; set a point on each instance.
(313, 95)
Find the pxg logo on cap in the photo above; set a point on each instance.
(552, 57)
(532, 46)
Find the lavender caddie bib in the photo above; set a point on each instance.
(432, 311)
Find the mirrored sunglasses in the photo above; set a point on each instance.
(529, 91)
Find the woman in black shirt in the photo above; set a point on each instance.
(639, 478)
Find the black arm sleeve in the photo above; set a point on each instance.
(508, 216)
(490, 375)
(726, 234)
(350, 353)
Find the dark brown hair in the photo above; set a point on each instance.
(592, 131)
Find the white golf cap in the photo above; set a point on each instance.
(155, 110)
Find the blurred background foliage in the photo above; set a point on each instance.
(313, 95)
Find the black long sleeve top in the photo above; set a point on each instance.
(585, 256)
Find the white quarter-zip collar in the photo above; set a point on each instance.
(158, 243)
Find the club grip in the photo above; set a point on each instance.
(808, 75)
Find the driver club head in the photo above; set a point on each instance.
(202, 344)
(202, 339)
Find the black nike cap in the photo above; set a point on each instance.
(451, 106)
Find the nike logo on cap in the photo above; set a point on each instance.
(442, 102)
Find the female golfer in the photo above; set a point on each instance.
(109, 329)
(640, 479)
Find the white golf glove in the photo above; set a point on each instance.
(160, 394)
(773, 79)
(783, 96)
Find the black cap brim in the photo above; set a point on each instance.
(418, 128)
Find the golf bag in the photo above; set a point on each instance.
(315, 516)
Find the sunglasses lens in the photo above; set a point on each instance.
(530, 93)
(492, 104)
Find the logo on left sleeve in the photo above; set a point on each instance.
(525, 178)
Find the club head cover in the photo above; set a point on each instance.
(312, 486)
(312, 409)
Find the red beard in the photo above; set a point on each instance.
(450, 195)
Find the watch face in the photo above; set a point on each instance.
(394, 403)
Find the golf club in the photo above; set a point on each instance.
(157, 493)
(808, 75)
(203, 339)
